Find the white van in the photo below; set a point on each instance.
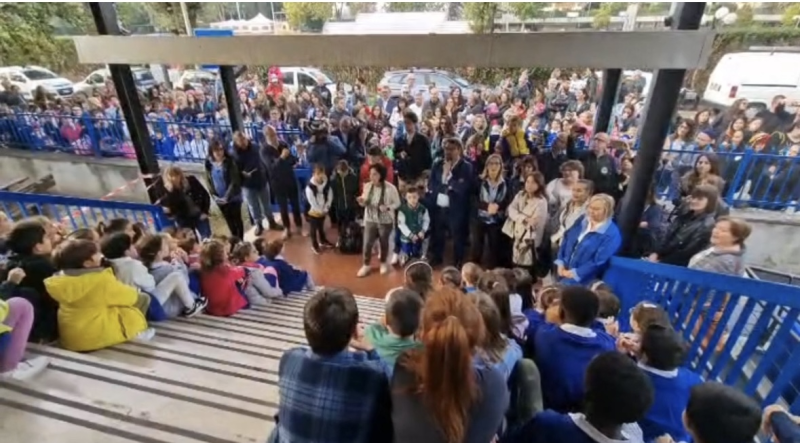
(28, 78)
(757, 76)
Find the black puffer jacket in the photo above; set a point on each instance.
(688, 234)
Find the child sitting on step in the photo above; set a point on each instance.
(95, 309)
(16, 320)
(223, 283)
(262, 279)
(290, 278)
(413, 222)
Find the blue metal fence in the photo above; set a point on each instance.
(763, 180)
(742, 332)
(80, 212)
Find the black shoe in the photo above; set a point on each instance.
(197, 309)
(276, 227)
(259, 231)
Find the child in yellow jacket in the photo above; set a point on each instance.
(95, 309)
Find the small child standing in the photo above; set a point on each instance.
(320, 198)
(413, 222)
(395, 334)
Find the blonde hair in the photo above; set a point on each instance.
(607, 201)
(485, 172)
(174, 172)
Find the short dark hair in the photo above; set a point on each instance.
(662, 347)
(609, 304)
(452, 276)
(617, 391)
(380, 169)
(112, 226)
(717, 413)
(74, 253)
(273, 248)
(580, 305)
(116, 245)
(403, 312)
(375, 151)
(414, 190)
(411, 116)
(329, 319)
(25, 235)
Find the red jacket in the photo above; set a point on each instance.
(364, 173)
(220, 287)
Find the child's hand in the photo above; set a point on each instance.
(16, 275)
(360, 200)
(359, 342)
(665, 439)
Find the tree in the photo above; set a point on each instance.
(526, 10)
(307, 15)
(455, 10)
(28, 33)
(790, 11)
(359, 7)
(744, 15)
(601, 19)
(169, 17)
(414, 6)
(481, 16)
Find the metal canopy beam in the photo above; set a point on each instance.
(613, 50)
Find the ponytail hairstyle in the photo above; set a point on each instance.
(148, 248)
(242, 251)
(139, 231)
(494, 344)
(451, 330)
(213, 255)
(451, 277)
(419, 278)
(112, 226)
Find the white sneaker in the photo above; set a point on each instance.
(146, 335)
(384, 269)
(395, 259)
(363, 271)
(27, 369)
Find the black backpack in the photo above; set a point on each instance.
(351, 239)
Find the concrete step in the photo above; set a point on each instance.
(206, 379)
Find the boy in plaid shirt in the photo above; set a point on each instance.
(329, 393)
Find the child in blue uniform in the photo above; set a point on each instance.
(662, 353)
(562, 352)
(413, 222)
(618, 395)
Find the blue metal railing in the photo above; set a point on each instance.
(742, 332)
(80, 212)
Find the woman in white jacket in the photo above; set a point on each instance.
(380, 200)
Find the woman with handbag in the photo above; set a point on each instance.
(527, 216)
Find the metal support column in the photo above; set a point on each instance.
(228, 78)
(105, 18)
(611, 78)
(662, 100)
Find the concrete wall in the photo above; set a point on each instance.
(773, 243)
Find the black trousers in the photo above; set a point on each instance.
(232, 212)
(284, 199)
(317, 231)
(492, 236)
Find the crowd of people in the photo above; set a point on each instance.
(93, 288)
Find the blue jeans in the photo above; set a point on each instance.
(260, 204)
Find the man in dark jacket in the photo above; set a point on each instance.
(449, 194)
(324, 149)
(413, 150)
(348, 133)
(598, 165)
(255, 182)
(322, 91)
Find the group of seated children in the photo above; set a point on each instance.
(479, 358)
(94, 288)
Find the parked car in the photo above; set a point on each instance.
(96, 81)
(28, 78)
(295, 78)
(196, 77)
(444, 80)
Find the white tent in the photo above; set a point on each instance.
(260, 20)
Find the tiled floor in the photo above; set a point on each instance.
(206, 379)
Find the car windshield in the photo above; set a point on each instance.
(460, 81)
(143, 76)
(316, 72)
(36, 74)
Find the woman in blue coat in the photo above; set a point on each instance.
(589, 244)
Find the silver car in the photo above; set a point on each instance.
(423, 78)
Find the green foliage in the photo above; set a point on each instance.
(744, 16)
(168, 15)
(790, 11)
(601, 19)
(358, 7)
(526, 10)
(27, 34)
(481, 16)
(307, 15)
(414, 6)
(133, 14)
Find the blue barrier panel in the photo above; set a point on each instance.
(79, 212)
(741, 332)
(213, 33)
